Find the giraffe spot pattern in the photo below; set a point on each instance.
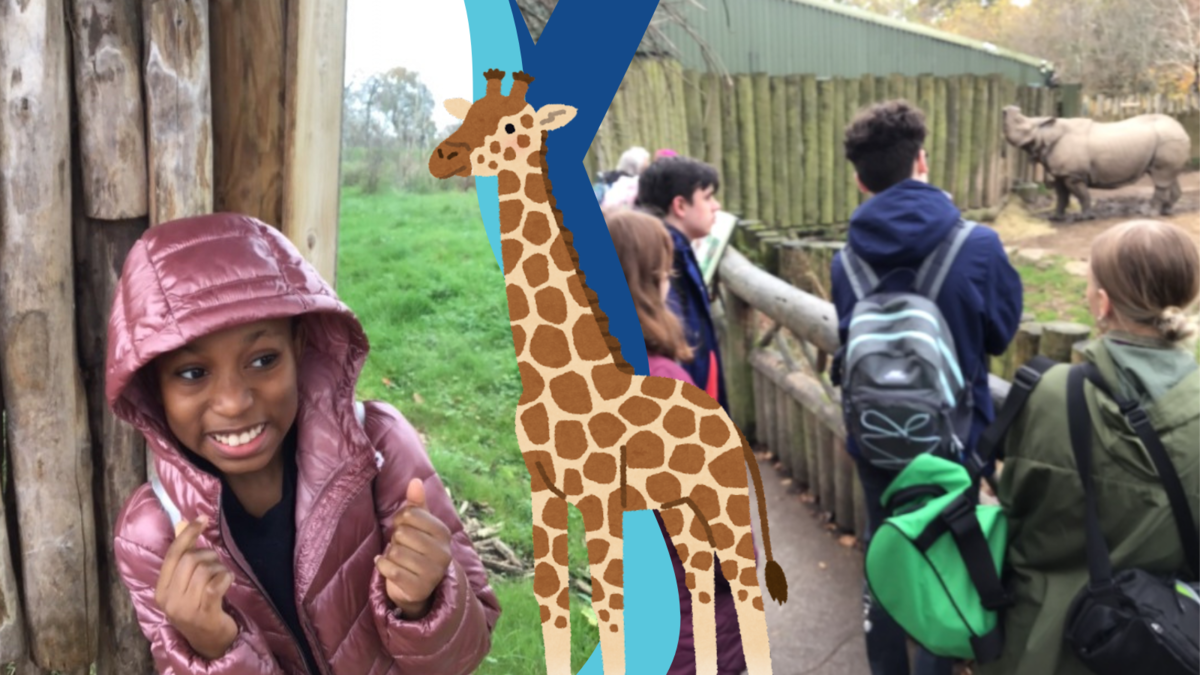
(699, 532)
(742, 595)
(749, 577)
(518, 305)
(555, 514)
(597, 551)
(576, 289)
(729, 469)
(508, 183)
(658, 387)
(606, 429)
(518, 339)
(681, 552)
(570, 442)
(545, 613)
(572, 483)
(560, 622)
(535, 189)
(713, 431)
(597, 590)
(603, 614)
(640, 411)
(589, 342)
(758, 603)
(531, 383)
(562, 258)
(707, 502)
(729, 568)
(644, 451)
(702, 560)
(494, 147)
(673, 520)
(549, 347)
(479, 159)
(689, 580)
(532, 459)
(614, 574)
(705, 598)
(592, 510)
(493, 165)
(698, 398)
(537, 228)
(600, 468)
(537, 424)
(613, 628)
(738, 508)
(634, 501)
(564, 600)
(534, 160)
(537, 270)
(745, 547)
(560, 550)
(511, 252)
(545, 580)
(570, 394)
(527, 121)
(679, 422)
(617, 602)
(687, 459)
(663, 487)
(510, 154)
(610, 381)
(541, 543)
(510, 215)
(523, 141)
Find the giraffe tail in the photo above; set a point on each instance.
(777, 586)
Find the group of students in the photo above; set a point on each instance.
(349, 555)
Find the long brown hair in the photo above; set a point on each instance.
(645, 250)
(1151, 272)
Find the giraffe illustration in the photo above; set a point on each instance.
(592, 433)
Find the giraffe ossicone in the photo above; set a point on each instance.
(592, 433)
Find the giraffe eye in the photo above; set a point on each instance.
(509, 128)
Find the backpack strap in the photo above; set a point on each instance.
(1024, 381)
(1080, 425)
(862, 277)
(1140, 421)
(933, 271)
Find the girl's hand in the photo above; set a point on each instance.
(191, 587)
(418, 556)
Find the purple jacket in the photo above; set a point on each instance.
(189, 278)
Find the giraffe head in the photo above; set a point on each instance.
(498, 132)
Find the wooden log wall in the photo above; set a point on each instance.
(777, 140)
(117, 115)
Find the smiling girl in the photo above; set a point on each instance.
(313, 535)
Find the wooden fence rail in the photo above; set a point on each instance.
(785, 402)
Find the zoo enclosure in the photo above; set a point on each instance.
(777, 331)
(117, 116)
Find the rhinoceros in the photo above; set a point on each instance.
(1080, 153)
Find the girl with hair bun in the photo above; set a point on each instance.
(1144, 280)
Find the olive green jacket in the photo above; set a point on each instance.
(1043, 497)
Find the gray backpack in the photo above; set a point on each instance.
(903, 392)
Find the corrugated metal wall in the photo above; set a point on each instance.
(782, 37)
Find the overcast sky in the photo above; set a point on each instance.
(430, 37)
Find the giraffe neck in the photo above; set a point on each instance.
(557, 323)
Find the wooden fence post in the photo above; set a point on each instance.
(710, 115)
(732, 150)
(781, 152)
(695, 114)
(800, 468)
(765, 150)
(966, 120)
(748, 147)
(783, 428)
(953, 143)
(839, 156)
(851, 109)
(811, 132)
(941, 158)
(1058, 337)
(844, 468)
(796, 150)
(12, 625)
(739, 317)
(827, 176)
(828, 469)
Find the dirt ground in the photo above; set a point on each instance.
(1029, 226)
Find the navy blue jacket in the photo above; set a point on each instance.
(981, 298)
(689, 301)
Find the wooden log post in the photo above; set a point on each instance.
(765, 151)
(783, 405)
(800, 469)
(937, 142)
(925, 99)
(710, 120)
(979, 136)
(748, 146)
(736, 352)
(766, 422)
(45, 421)
(653, 102)
(111, 121)
(810, 132)
(993, 166)
(850, 109)
(731, 150)
(679, 132)
(781, 152)
(794, 153)
(895, 86)
(812, 453)
(966, 120)
(12, 624)
(844, 480)
(1024, 347)
(950, 156)
(316, 41)
(1058, 337)
(866, 98)
(839, 155)
(695, 115)
(248, 63)
(1077, 352)
(860, 507)
(758, 439)
(826, 175)
(825, 440)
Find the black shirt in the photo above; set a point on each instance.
(269, 545)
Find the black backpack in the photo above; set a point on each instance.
(1130, 621)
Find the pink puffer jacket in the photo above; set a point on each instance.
(189, 278)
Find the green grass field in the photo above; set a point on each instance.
(420, 275)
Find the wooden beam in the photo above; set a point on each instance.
(178, 109)
(316, 43)
(45, 410)
(248, 59)
(111, 121)
(12, 624)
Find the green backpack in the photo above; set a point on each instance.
(935, 564)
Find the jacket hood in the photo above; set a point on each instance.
(188, 278)
(901, 225)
